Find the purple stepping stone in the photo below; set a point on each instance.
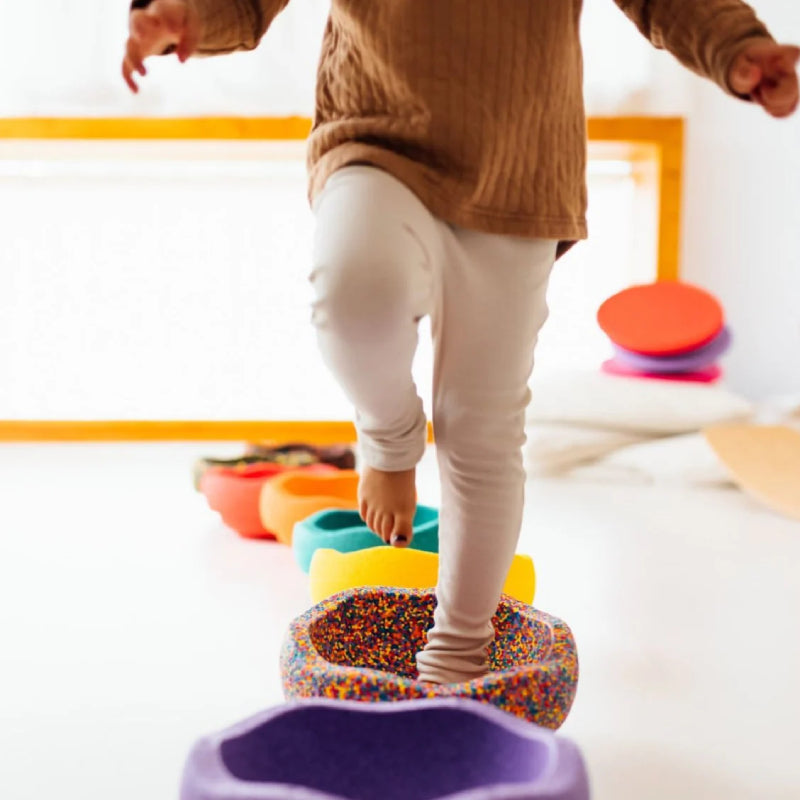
(693, 361)
(444, 749)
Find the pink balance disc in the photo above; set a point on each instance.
(708, 375)
(661, 319)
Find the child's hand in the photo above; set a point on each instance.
(766, 71)
(158, 27)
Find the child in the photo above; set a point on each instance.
(447, 174)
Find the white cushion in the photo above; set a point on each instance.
(682, 460)
(632, 404)
(555, 448)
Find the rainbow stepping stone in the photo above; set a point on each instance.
(333, 572)
(346, 532)
(440, 749)
(361, 645)
(295, 454)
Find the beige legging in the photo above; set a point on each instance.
(382, 262)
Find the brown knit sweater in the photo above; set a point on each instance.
(476, 105)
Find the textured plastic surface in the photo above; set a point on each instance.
(422, 750)
(361, 645)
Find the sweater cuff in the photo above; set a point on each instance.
(221, 28)
(229, 25)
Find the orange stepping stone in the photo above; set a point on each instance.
(661, 319)
(290, 498)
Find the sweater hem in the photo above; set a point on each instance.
(432, 191)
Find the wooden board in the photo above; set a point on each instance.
(764, 461)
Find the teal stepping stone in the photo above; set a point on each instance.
(345, 531)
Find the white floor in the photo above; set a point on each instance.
(132, 621)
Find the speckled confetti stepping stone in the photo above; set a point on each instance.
(361, 645)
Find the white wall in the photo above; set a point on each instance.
(74, 67)
(742, 216)
(742, 230)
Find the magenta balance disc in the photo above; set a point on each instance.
(709, 375)
(699, 359)
(416, 750)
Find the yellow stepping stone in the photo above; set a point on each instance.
(332, 572)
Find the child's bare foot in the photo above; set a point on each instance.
(387, 503)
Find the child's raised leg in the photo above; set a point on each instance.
(493, 306)
(376, 254)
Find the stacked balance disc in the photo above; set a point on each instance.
(668, 330)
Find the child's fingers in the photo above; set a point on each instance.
(767, 73)
(155, 29)
(132, 63)
(133, 53)
(148, 30)
(141, 24)
(782, 63)
(763, 61)
(745, 76)
(158, 28)
(188, 44)
(780, 100)
(172, 15)
(792, 56)
(127, 74)
(779, 90)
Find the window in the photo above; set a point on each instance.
(156, 280)
(167, 280)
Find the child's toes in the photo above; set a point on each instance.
(377, 524)
(385, 527)
(402, 532)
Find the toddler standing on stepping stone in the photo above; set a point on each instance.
(447, 167)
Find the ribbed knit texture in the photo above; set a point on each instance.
(476, 105)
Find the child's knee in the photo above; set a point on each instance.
(361, 291)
